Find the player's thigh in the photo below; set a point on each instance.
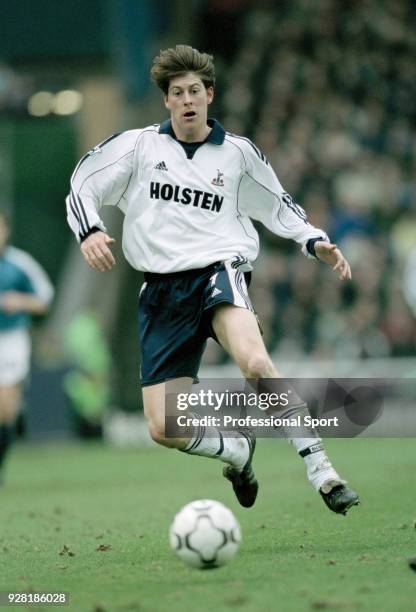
(238, 332)
(156, 396)
(10, 399)
(14, 361)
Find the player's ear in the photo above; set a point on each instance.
(210, 94)
(165, 100)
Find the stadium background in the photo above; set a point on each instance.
(326, 89)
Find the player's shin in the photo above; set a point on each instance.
(303, 437)
(6, 440)
(322, 476)
(236, 449)
(209, 441)
(309, 446)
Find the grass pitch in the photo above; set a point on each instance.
(93, 521)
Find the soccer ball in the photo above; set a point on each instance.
(205, 534)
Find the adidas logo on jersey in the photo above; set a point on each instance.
(161, 166)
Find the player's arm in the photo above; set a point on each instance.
(264, 199)
(33, 293)
(12, 302)
(101, 178)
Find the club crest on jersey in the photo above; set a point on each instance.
(95, 150)
(219, 180)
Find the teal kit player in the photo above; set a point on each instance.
(25, 290)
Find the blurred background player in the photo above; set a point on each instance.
(25, 290)
(189, 191)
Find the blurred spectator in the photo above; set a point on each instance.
(219, 26)
(327, 90)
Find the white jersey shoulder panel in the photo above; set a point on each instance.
(36, 274)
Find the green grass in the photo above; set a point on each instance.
(295, 554)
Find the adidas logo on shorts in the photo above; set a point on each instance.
(215, 292)
(161, 166)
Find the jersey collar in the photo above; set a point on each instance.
(216, 135)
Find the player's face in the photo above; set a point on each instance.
(4, 233)
(188, 100)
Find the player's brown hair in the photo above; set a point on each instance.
(180, 60)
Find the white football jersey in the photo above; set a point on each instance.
(184, 211)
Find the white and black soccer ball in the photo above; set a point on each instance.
(205, 534)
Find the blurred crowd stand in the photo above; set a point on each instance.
(326, 89)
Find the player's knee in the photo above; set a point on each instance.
(9, 408)
(157, 433)
(258, 365)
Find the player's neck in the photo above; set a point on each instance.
(197, 134)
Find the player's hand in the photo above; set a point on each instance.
(96, 252)
(330, 254)
(13, 302)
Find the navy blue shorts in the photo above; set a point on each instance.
(175, 313)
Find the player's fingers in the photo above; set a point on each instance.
(339, 261)
(95, 261)
(103, 256)
(345, 270)
(108, 259)
(103, 252)
(89, 259)
(342, 267)
(92, 257)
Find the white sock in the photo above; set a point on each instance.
(320, 472)
(211, 442)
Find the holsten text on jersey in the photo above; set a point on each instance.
(186, 195)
